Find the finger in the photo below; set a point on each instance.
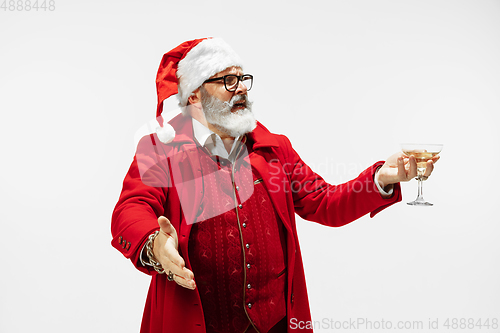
(401, 169)
(182, 276)
(169, 266)
(166, 227)
(188, 274)
(412, 173)
(429, 166)
(189, 284)
(179, 271)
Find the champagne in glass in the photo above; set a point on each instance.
(422, 154)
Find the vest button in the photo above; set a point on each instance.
(249, 305)
(248, 266)
(249, 286)
(240, 206)
(244, 225)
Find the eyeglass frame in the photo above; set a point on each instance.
(239, 77)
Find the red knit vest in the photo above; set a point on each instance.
(238, 257)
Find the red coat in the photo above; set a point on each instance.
(293, 188)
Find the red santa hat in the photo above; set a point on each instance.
(184, 69)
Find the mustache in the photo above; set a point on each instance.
(237, 100)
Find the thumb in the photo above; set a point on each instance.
(167, 227)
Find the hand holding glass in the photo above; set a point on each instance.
(422, 154)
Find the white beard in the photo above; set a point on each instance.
(219, 114)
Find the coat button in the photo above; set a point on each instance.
(237, 188)
(247, 246)
(240, 206)
(128, 245)
(120, 240)
(249, 305)
(244, 225)
(248, 266)
(249, 286)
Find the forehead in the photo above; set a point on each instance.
(229, 70)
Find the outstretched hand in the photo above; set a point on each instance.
(165, 251)
(402, 168)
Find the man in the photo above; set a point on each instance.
(208, 205)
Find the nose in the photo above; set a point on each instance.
(241, 89)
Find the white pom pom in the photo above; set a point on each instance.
(166, 133)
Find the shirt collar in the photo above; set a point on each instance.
(200, 132)
(212, 140)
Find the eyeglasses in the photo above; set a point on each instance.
(231, 81)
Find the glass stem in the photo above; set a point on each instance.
(420, 196)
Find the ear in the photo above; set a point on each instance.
(195, 97)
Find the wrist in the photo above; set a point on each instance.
(148, 247)
(385, 189)
(143, 257)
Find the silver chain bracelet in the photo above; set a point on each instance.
(149, 252)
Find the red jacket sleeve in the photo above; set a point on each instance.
(333, 205)
(141, 202)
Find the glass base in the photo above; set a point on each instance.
(420, 203)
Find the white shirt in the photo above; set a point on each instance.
(213, 141)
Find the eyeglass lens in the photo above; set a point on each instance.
(231, 82)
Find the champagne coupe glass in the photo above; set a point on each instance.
(422, 153)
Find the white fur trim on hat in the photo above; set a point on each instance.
(206, 59)
(166, 133)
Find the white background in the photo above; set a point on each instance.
(346, 81)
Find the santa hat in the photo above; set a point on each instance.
(184, 69)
